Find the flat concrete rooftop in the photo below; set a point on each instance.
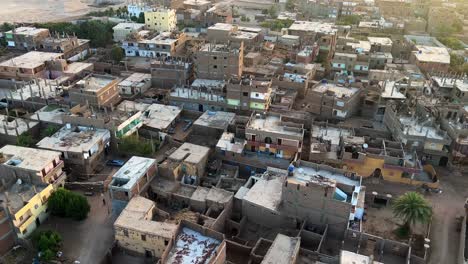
(75, 139)
(266, 193)
(135, 217)
(215, 119)
(28, 158)
(128, 175)
(273, 124)
(31, 60)
(190, 153)
(283, 250)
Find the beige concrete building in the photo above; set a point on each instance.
(82, 147)
(270, 134)
(135, 85)
(192, 159)
(123, 30)
(135, 230)
(33, 165)
(431, 59)
(219, 62)
(28, 66)
(96, 90)
(331, 101)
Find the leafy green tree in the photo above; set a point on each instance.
(290, 5)
(452, 43)
(141, 18)
(273, 11)
(6, 27)
(47, 242)
(99, 33)
(25, 140)
(64, 203)
(117, 54)
(49, 130)
(412, 208)
(134, 145)
(349, 20)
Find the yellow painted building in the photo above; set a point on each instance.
(28, 206)
(161, 20)
(376, 166)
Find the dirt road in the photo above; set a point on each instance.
(447, 207)
(86, 241)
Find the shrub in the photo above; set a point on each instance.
(64, 203)
(47, 242)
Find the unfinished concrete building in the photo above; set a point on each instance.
(96, 90)
(136, 231)
(248, 94)
(331, 101)
(219, 62)
(419, 132)
(166, 73)
(271, 135)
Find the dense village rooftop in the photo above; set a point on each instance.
(137, 216)
(215, 119)
(218, 48)
(391, 91)
(94, 83)
(283, 250)
(160, 116)
(228, 142)
(131, 172)
(50, 114)
(28, 158)
(330, 133)
(314, 26)
(190, 153)
(20, 193)
(14, 126)
(380, 41)
(266, 193)
(75, 139)
(136, 80)
(128, 26)
(432, 54)
(414, 127)
(272, 123)
(314, 173)
(337, 91)
(31, 60)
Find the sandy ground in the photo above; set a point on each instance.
(88, 240)
(447, 206)
(43, 10)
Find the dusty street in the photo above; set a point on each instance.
(86, 241)
(447, 207)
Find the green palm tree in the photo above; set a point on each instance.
(412, 208)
